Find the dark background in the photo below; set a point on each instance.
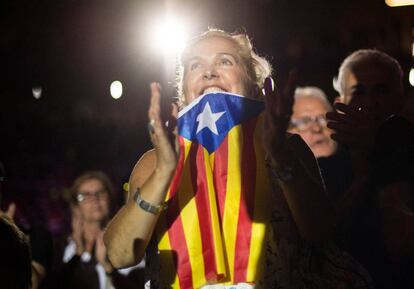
(75, 49)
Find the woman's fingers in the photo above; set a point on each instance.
(172, 120)
(155, 126)
(11, 210)
(355, 112)
(162, 135)
(172, 125)
(279, 104)
(268, 86)
(154, 112)
(333, 117)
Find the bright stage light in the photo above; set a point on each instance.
(411, 77)
(116, 89)
(37, 92)
(396, 3)
(170, 36)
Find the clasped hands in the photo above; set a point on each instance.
(89, 241)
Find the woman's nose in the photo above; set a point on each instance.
(210, 73)
(316, 127)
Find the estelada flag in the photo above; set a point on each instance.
(218, 202)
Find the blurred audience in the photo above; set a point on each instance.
(39, 237)
(376, 211)
(80, 258)
(15, 261)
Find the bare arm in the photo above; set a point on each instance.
(304, 190)
(129, 232)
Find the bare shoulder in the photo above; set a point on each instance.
(143, 169)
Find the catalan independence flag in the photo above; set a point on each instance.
(217, 219)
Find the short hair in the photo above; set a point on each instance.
(87, 176)
(368, 56)
(257, 68)
(313, 92)
(16, 259)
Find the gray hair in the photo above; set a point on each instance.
(257, 68)
(368, 56)
(314, 93)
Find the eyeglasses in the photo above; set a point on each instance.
(88, 196)
(305, 123)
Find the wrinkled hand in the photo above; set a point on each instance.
(161, 135)
(278, 111)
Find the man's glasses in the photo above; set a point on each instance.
(305, 123)
(88, 196)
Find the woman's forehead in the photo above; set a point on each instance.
(91, 183)
(211, 46)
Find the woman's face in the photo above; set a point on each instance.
(372, 86)
(94, 204)
(310, 113)
(213, 64)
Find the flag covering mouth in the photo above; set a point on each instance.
(209, 118)
(215, 226)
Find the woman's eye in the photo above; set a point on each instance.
(194, 65)
(225, 61)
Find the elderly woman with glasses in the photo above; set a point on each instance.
(206, 203)
(81, 260)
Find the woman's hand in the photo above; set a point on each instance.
(128, 233)
(278, 111)
(100, 253)
(355, 127)
(77, 231)
(161, 135)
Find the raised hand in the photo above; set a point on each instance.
(355, 127)
(278, 111)
(160, 134)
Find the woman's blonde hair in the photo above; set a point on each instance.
(257, 68)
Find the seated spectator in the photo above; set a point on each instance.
(376, 211)
(15, 261)
(81, 260)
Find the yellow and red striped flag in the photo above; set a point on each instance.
(217, 219)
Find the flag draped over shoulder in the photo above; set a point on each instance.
(218, 202)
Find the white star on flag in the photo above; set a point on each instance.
(208, 119)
